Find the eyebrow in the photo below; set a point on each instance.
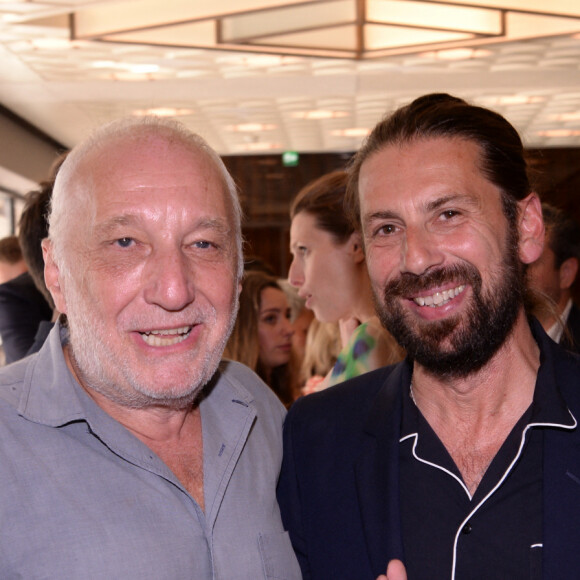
(452, 198)
(429, 207)
(272, 310)
(217, 224)
(111, 224)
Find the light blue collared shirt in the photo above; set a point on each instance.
(83, 498)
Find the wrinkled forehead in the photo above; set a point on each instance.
(148, 166)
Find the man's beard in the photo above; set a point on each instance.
(474, 336)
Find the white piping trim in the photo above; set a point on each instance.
(498, 484)
(496, 487)
(459, 480)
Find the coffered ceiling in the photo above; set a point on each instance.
(249, 102)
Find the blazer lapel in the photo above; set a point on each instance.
(377, 474)
(561, 555)
(561, 483)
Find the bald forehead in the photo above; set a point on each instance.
(143, 159)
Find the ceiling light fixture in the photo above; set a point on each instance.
(559, 133)
(319, 114)
(258, 146)
(354, 132)
(327, 28)
(251, 127)
(575, 116)
(162, 112)
(513, 100)
(134, 68)
(457, 54)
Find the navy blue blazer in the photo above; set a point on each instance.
(22, 308)
(339, 486)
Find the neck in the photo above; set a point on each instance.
(362, 310)
(151, 423)
(472, 416)
(505, 385)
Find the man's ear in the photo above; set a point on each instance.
(52, 277)
(531, 229)
(568, 271)
(356, 247)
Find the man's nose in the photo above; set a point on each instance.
(169, 280)
(420, 251)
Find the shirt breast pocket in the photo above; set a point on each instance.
(278, 557)
(536, 562)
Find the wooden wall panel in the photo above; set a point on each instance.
(266, 192)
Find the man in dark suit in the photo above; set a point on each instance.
(462, 461)
(554, 273)
(22, 306)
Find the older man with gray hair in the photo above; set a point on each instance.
(127, 449)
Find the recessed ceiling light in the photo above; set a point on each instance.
(514, 100)
(319, 114)
(51, 43)
(354, 132)
(126, 66)
(559, 133)
(162, 112)
(456, 54)
(566, 116)
(251, 127)
(259, 146)
(142, 68)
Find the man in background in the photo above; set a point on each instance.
(127, 449)
(554, 273)
(11, 261)
(22, 306)
(32, 229)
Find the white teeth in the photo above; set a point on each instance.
(439, 298)
(166, 337)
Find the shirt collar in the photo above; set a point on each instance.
(556, 331)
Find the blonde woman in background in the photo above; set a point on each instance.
(321, 353)
(329, 269)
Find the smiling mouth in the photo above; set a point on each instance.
(166, 337)
(439, 298)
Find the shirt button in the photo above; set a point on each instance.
(466, 529)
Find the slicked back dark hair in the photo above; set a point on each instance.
(442, 115)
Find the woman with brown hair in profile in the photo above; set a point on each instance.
(329, 269)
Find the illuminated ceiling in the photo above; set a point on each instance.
(264, 93)
(325, 28)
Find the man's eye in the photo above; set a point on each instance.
(450, 213)
(387, 229)
(124, 242)
(203, 245)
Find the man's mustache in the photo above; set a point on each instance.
(408, 284)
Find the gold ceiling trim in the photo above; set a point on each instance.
(354, 29)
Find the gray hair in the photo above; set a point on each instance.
(71, 182)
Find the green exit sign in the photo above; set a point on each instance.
(290, 158)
